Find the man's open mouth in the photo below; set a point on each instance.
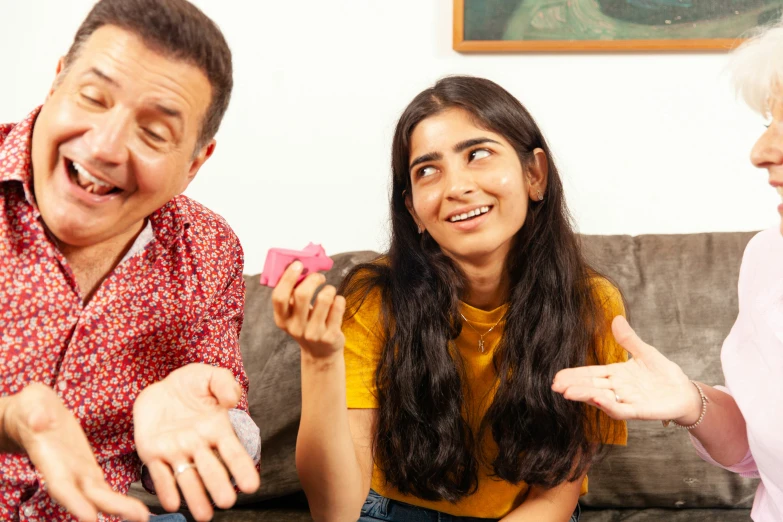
(89, 183)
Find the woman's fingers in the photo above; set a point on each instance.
(291, 303)
(316, 324)
(588, 393)
(281, 295)
(585, 374)
(303, 295)
(583, 381)
(627, 338)
(604, 399)
(334, 321)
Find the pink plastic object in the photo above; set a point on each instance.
(313, 257)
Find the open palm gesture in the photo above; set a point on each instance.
(184, 436)
(40, 425)
(647, 387)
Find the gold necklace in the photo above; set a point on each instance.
(481, 335)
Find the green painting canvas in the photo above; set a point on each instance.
(581, 20)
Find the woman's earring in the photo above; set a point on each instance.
(421, 230)
(540, 196)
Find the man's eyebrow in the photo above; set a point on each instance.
(463, 145)
(103, 76)
(168, 111)
(430, 156)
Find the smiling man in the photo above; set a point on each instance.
(110, 279)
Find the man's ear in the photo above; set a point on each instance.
(537, 175)
(199, 159)
(58, 76)
(412, 211)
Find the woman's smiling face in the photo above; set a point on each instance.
(469, 189)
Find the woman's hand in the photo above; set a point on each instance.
(316, 328)
(647, 387)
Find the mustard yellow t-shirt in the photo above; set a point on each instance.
(494, 498)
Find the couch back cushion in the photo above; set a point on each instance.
(681, 297)
(681, 294)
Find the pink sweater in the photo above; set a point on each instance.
(752, 359)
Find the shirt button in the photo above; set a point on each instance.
(62, 385)
(28, 511)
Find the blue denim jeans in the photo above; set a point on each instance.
(381, 508)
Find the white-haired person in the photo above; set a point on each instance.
(738, 426)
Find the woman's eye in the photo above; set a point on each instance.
(426, 171)
(479, 154)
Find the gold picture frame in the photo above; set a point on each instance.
(539, 25)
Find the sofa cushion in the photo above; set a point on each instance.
(681, 294)
(669, 515)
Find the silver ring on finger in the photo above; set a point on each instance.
(182, 468)
(617, 397)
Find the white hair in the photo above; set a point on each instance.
(757, 68)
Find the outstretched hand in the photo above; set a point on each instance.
(185, 438)
(647, 387)
(38, 423)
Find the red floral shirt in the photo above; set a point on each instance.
(178, 300)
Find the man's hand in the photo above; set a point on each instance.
(182, 432)
(37, 423)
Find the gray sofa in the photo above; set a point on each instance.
(681, 296)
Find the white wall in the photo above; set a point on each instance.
(647, 143)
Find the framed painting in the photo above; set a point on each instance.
(607, 25)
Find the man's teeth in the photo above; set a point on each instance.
(466, 215)
(90, 183)
(85, 177)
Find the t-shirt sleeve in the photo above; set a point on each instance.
(608, 351)
(363, 345)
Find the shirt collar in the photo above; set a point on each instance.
(16, 154)
(171, 220)
(146, 237)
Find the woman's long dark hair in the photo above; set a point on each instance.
(423, 443)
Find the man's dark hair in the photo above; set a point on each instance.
(176, 29)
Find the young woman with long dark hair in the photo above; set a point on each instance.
(444, 349)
